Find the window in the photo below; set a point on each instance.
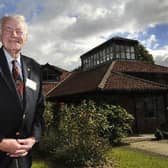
(110, 52)
(91, 61)
(111, 56)
(117, 51)
(132, 49)
(151, 106)
(132, 53)
(127, 49)
(132, 56)
(94, 59)
(101, 56)
(128, 56)
(85, 61)
(97, 59)
(117, 48)
(104, 55)
(107, 53)
(49, 75)
(122, 50)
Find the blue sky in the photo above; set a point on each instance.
(61, 31)
(161, 33)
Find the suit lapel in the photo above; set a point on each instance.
(5, 73)
(26, 70)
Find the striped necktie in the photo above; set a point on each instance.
(17, 78)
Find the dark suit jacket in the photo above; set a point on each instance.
(12, 107)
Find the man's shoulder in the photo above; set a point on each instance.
(30, 62)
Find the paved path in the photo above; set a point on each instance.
(157, 147)
(147, 143)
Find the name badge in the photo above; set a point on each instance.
(31, 84)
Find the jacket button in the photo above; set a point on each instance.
(24, 116)
(17, 133)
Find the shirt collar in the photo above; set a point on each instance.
(10, 58)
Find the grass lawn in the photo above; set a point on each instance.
(126, 158)
(40, 164)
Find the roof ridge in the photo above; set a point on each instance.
(59, 84)
(153, 64)
(141, 79)
(106, 75)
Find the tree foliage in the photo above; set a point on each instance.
(119, 121)
(48, 115)
(144, 54)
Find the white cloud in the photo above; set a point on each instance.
(2, 6)
(151, 42)
(160, 56)
(61, 31)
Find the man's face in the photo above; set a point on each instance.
(13, 36)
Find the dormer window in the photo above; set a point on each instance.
(116, 48)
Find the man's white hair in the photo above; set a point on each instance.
(19, 18)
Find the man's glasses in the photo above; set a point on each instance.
(10, 31)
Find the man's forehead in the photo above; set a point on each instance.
(13, 22)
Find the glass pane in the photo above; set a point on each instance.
(122, 55)
(111, 56)
(132, 49)
(128, 56)
(132, 55)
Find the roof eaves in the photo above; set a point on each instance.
(75, 93)
(106, 76)
(50, 91)
(143, 80)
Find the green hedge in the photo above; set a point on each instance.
(82, 133)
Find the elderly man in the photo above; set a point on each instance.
(21, 100)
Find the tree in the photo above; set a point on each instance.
(144, 54)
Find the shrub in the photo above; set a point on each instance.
(162, 132)
(78, 131)
(83, 131)
(119, 121)
(49, 115)
(158, 134)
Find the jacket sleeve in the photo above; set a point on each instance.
(38, 124)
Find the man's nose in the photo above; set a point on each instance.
(14, 33)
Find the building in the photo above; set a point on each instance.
(52, 76)
(115, 49)
(114, 73)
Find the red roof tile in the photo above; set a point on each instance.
(121, 81)
(81, 81)
(110, 76)
(47, 87)
(138, 66)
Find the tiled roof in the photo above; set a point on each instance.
(121, 81)
(110, 76)
(47, 65)
(48, 86)
(81, 81)
(138, 66)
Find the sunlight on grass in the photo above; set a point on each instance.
(124, 158)
(40, 164)
(135, 159)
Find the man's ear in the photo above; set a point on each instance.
(26, 37)
(0, 36)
